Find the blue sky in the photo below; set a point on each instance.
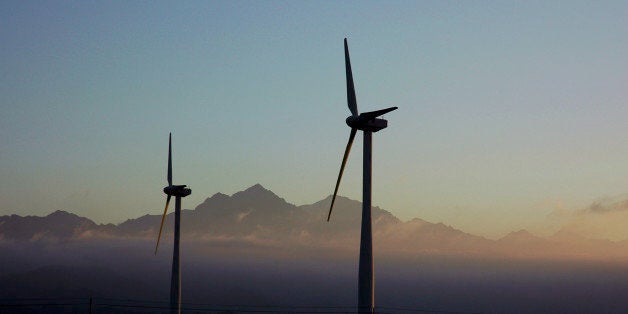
(508, 111)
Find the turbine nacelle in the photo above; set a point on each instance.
(368, 121)
(177, 190)
(364, 123)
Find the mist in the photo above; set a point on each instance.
(216, 276)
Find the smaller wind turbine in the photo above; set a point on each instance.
(178, 191)
(367, 122)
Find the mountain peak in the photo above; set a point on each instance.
(61, 213)
(522, 238)
(255, 191)
(255, 196)
(339, 199)
(256, 188)
(63, 217)
(417, 222)
(522, 232)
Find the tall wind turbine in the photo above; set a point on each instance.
(178, 191)
(368, 123)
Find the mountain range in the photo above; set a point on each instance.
(258, 217)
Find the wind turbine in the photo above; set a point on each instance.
(178, 191)
(368, 123)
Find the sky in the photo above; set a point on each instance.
(509, 112)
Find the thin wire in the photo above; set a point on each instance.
(204, 307)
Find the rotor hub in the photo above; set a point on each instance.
(366, 123)
(177, 190)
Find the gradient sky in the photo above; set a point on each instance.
(508, 110)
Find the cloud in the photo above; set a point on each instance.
(607, 205)
(605, 218)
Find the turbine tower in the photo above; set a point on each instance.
(368, 123)
(178, 191)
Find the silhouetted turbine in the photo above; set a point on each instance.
(368, 123)
(178, 191)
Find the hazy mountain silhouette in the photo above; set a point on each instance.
(418, 235)
(257, 216)
(59, 225)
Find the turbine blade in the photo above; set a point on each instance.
(342, 168)
(170, 159)
(351, 101)
(163, 218)
(376, 113)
